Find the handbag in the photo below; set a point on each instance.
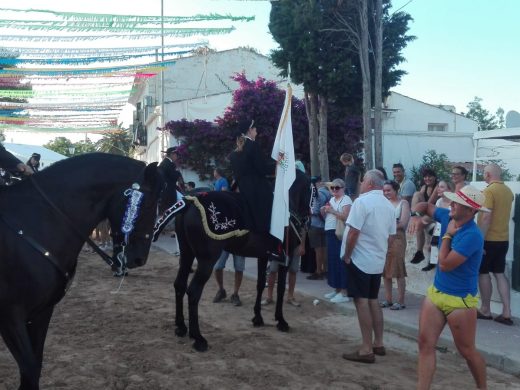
(340, 229)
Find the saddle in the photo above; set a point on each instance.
(222, 213)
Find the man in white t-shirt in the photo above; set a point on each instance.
(370, 222)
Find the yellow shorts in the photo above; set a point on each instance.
(447, 303)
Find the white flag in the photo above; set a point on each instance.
(283, 153)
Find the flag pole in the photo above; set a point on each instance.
(283, 154)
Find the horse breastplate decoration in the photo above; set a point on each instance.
(166, 217)
(135, 197)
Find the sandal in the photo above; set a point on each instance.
(385, 304)
(266, 301)
(397, 306)
(481, 316)
(504, 320)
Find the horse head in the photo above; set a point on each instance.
(132, 215)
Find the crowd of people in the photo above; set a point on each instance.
(357, 231)
(441, 215)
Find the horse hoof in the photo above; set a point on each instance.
(257, 321)
(200, 345)
(282, 326)
(180, 331)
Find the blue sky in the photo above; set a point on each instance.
(464, 48)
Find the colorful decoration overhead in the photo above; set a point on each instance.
(56, 88)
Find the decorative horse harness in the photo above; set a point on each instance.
(118, 264)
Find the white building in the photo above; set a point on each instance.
(412, 127)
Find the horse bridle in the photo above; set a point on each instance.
(135, 197)
(119, 263)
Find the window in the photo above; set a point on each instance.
(437, 126)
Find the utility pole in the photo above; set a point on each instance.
(163, 119)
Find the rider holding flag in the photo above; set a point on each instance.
(250, 169)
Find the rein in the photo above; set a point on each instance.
(109, 260)
(35, 245)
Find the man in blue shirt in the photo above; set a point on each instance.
(221, 183)
(453, 297)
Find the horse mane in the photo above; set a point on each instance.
(97, 165)
(91, 167)
(100, 160)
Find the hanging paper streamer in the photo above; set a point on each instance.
(68, 95)
(87, 52)
(79, 16)
(155, 67)
(85, 61)
(81, 129)
(183, 32)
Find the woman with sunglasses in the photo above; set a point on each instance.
(394, 265)
(338, 207)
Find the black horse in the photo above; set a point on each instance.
(194, 242)
(44, 222)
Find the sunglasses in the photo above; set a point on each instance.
(335, 188)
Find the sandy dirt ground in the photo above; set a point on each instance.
(99, 339)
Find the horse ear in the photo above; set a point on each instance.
(151, 174)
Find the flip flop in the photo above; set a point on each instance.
(504, 320)
(380, 351)
(481, 316)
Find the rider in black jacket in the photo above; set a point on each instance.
(250, 168)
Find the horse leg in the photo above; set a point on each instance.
(37, 329)
(280, 292)
(181, 284)
(16, 336)
(202, 275)
(260, 286)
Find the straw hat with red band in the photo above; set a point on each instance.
(468, 196)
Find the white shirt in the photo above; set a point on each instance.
(330, 219)
(374, 216)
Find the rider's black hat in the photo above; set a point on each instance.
(170, 150)
(243, 125)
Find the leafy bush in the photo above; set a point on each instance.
(431, 159)
(205, 145)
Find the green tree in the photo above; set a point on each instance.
(65, 146)
(116, 142)
(431, 159)
(484, 118)
(326, 62)
(506, 174)
(61, 145)
(84, 146)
